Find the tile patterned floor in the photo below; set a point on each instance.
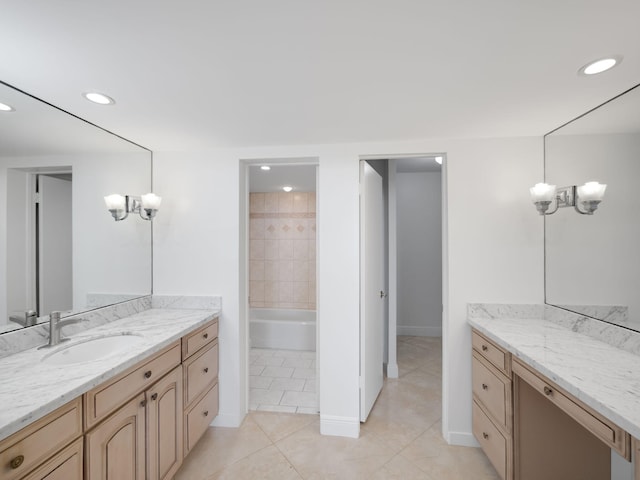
(400, 440)
(282, 381)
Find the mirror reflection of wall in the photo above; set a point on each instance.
(66, 252)
(592, 265)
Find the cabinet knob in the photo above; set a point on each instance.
(143, 403)
(485, 435)
(154, 396)
(547, 391)
(206, 413)
(206, 369)
(484, 348)
(205, 336)
(16, 462)
(485, 386)
(147, 374)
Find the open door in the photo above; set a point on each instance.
(372, 295)
(55, 284)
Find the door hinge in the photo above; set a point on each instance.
(36, 197)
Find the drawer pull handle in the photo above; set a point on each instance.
(485, 435)
(206, 413)
(485, 386)
(484, 348)
(547, 391)
(16, 462)
(205, 336)
(154, 396)
(206, 369)
(147, 374)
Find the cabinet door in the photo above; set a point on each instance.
(66, 465)
(116, 447)
(164, 426)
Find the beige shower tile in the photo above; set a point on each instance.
(285, 202)
(312, 270)
(300, 200)
(312, 249)
(300, 229)
(271, 249)
(285, 272)
(271, 271)
(300, 249)
(285, 228)
(256, 291)
(271, 293)
(256, 249)
(256, 270)
(301, 292)
(256, 202)
(286, 292)
(256, 228)
(271, 202)
(312, 293)
(271, 228)
(285, 249)
(311, 202)
(300, 272)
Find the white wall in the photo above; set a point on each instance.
(419, 250)
(494, 255)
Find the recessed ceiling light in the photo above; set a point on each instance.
(6, 108)
(287, 188)
(600, 65)
(99, 98)
(265, 167)
(438, 160)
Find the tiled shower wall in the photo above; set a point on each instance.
(282, 250)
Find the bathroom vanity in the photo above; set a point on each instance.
(552, 403)
(131, 416)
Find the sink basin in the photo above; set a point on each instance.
(91, 349)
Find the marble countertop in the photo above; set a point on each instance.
(602, 376)
(30, 388)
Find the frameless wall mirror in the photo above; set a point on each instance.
(592, 262)
(59, 249)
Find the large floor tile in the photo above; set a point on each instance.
(266, 463)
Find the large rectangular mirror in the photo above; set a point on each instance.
(592, 262)
(60, 249)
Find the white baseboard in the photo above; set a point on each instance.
(416, 331)
(461, 439)
(228, 420)
(392, 370)
(339, 426)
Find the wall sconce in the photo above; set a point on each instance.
(121, 206)
(584, 199)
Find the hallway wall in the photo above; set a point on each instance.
(419, 237)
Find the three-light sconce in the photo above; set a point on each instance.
(121, 206)
(584, 199)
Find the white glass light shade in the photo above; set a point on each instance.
(115, 202)
(591, 191)
(287, 188)
(151, 201)
(542, 192)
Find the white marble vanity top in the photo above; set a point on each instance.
(604, 377)
(30, 388)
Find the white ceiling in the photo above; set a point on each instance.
(206, 73)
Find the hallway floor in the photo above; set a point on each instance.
(400, 440)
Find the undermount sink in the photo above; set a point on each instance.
(91, 349)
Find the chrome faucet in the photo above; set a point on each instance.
(55, 324)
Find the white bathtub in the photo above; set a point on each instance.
(285, 329)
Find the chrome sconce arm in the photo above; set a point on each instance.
(121, 206)
(584, 199)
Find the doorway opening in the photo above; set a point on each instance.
(281, 285)
(412, 259)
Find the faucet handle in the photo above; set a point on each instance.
(54, 316)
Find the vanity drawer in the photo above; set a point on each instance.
(492, 352)
(608, 432)
(109, 396)
(200, 372)
(492, 390)
(199, 417)
(28, 448)
(494, 444)
(198, 339)
(66, 465)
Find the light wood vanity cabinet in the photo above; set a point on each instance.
(492, 403)
(531, 429)
(137, 426)
(30, 448)
(636, 456)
